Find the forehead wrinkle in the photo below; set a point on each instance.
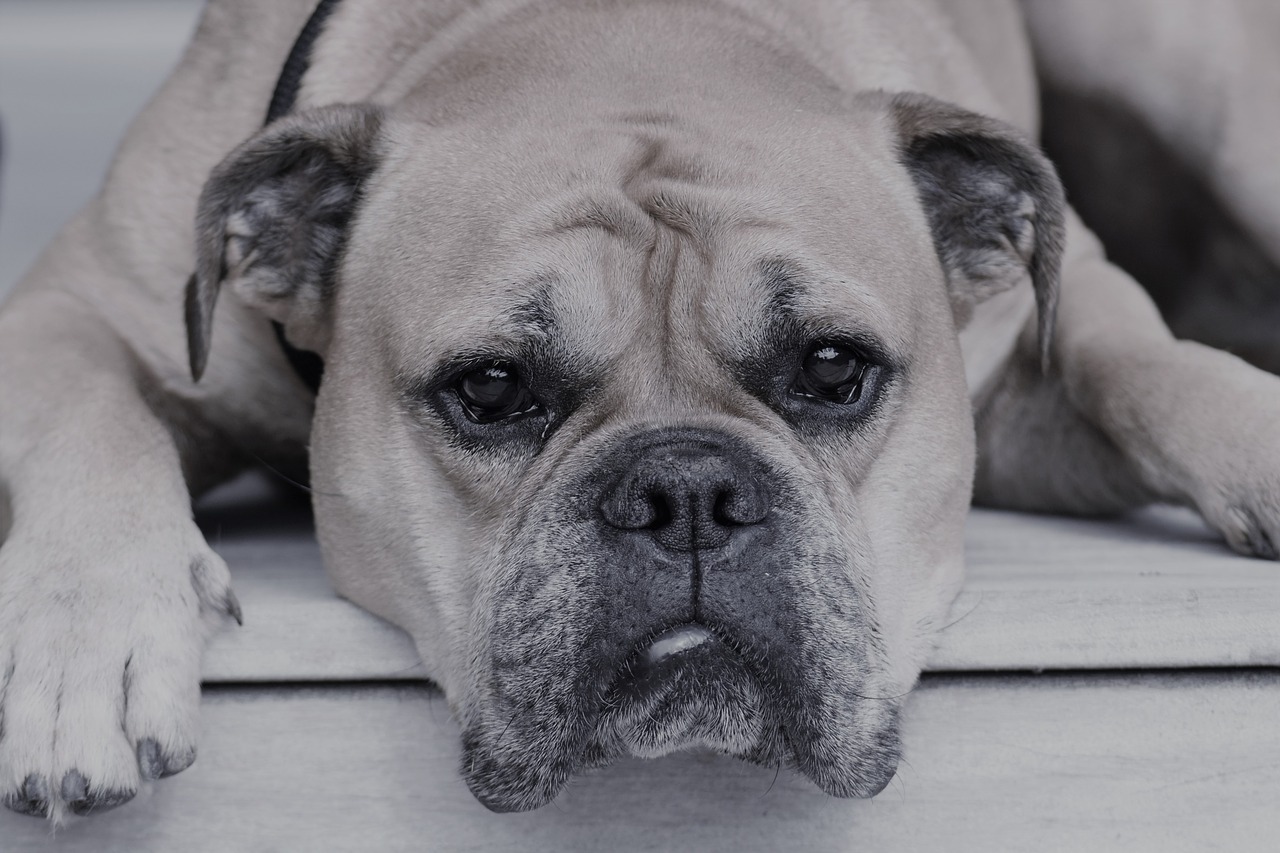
(708, 215)
(611, 213)
(661, 179)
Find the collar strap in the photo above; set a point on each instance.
(308, 365)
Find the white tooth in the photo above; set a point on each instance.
(676, 641)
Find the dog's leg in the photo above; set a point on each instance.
(107, 588)
(1037, 452)
(1176, 102)
(1129, 415)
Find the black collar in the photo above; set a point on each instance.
(308, 365)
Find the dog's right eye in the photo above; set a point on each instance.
(832, 373)
(495, 392)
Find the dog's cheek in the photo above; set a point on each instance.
(533, 633)
(912, 506)
(393, 532)
(6, 513)
(905, 505)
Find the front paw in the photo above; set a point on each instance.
(100, 647)
(1250, 523)
(1236, 479)
(1209, 440)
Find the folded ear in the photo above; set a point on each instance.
(993, 200)
(272, 221)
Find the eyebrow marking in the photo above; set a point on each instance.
(785, 282)
(788, 285)
(535, 316)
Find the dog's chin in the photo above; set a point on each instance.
(685, 689)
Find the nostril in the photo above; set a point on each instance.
(687, 495)
(736, 507)
(660, 507)
(637, 506)
(722, 512)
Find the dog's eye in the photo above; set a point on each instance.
(832, 373)
(495, 392)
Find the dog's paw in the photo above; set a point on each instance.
(1251, 528)
(1211, 423)
(1236, 486)
(100, 647)
(1237, 489)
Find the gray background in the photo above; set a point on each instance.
(73, 74)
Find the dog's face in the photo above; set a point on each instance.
(652, 432)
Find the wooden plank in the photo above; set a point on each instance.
(1167, 762)
(296, 628)
(1156, 589)
(1153, 590)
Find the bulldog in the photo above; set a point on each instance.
(660, 349)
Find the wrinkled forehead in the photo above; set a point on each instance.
(634, 237)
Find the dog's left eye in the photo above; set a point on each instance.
(495, 392)
(830, 372)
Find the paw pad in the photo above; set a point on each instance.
(31, 798)
(80, 800)
(155, 764)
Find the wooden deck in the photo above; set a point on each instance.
(1149, 725)
(1157, 762)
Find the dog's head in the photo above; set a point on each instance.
(652, 431)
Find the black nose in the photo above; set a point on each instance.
(688, 493)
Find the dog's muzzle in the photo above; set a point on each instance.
(681, 496)
(681, 596)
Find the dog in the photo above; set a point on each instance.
(660, 350)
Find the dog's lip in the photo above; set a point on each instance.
(662, 655)
(676, 640)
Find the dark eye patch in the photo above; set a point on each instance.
(820, 379)
(820, 375)
(509, 400)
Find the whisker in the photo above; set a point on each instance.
(882, 698)
(504, 730)
(412, 666)
(292, 482)
(902, 788)
(966, 615)
(777, 769)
